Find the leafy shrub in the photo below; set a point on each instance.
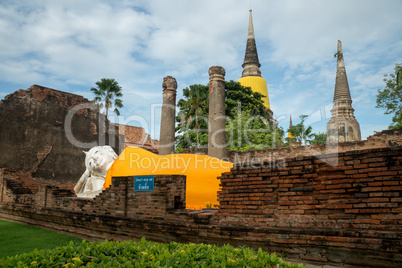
(145, 254)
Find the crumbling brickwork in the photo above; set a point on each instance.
(34, 140)
(355, 204)
(383, 139)
(136, 136)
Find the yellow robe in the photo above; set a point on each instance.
(202, 171)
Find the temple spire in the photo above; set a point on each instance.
(341, 82)
(251, 76)
(251, 63)
(343, 125)
(290, 125)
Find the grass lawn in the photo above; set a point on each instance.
(18, 238)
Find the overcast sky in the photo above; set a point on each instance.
(69, 45)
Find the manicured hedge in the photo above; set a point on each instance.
(145, 254)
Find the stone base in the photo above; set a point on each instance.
(343, 130)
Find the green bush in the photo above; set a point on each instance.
(145, 254)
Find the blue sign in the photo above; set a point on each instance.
(144, 183)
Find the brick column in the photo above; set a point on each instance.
(217, 119)
(167, 131)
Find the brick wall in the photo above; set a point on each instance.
(353, 205)
(121, 200)
(362, 182)
(136, 136)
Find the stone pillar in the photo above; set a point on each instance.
(217, 119)
(167, 131)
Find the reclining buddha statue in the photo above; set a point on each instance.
(97, 162)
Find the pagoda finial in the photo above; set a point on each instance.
(251, 63)
(250, 26)
(341, 82)
(340, 62)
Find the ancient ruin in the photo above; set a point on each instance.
(217, 119)
(334, 205)
(298, 204)
(42, 136)
(343, 125)
(167, 131)
(136, 136)
(43, 131)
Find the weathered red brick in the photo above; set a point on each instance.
(357, 176)
(391, 183)
(339, 206)
(338, 239)
(375, 210)
(371, 189)
(371, 160)
(385, 199)
(338, 191)
(351, 210)
(337, 186)
(377, 183)
(360, 166)
(383, 173)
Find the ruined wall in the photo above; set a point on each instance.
(118, 212)
(383, 139)
(339, 209)
(350, 200)
(136, 136)
(33, 135)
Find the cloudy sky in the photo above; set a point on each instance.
(69, 45)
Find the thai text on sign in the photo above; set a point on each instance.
(144, 183)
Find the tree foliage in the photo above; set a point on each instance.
(107, 95)
(239, 101)
(390, 97)
(193, 106)
(250, 101)
(251, 132)
(301, 133)
(193, 111)
(320, 138)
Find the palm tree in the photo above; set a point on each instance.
(107, 91)
(300, 132)
(195, 99)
